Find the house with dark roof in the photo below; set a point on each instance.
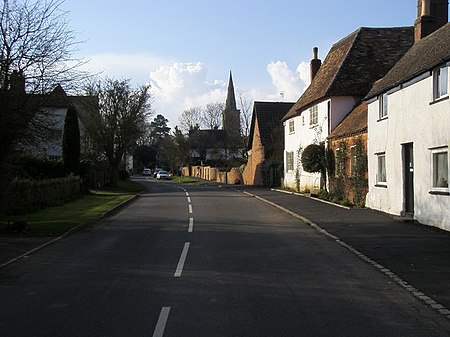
(337, 86)
(409, 126)
(348, 143)
(266, 144)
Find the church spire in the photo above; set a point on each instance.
(230, 103)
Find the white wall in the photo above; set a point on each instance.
(305, 135)
(411, 119)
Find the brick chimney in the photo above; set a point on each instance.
(315, 63)
(17, 82)
(431, 15)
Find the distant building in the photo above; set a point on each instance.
(220, 144)
(266, 144)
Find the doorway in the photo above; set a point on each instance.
(408, 176)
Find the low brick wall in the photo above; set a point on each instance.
(234, 176)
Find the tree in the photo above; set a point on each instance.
(36, 47)
(246, 115)
(314, 160)
(158, 129)
(71, 142)
(37, 42)
(119, 121)
(191, 119)
(212, 115)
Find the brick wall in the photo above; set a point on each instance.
(253, 174)
(334, 144)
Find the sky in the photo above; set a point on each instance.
(185, 49)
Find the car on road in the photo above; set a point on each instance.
(155, 172)
(147, 172)
(162, 175)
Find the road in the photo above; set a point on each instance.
(193, 261)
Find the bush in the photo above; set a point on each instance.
(24, 195)
(313, 158)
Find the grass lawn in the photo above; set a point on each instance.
(54, 221)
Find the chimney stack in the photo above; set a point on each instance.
(431, 15)
(17, 82)
(315, 63)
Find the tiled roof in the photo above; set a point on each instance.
(269, 115)
(354, 123)
(355, 63)
(423, 56)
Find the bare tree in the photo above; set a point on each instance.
(36, 41)
(212, 115)
(245, 105)
(119, 121)
(191, 119)
(36, 47)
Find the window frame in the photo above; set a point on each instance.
(289, 161)
(438, 82)
(313, 116)
(380, 182)
(383, 106)
(353, 160)
(434, 153)
(291, 126)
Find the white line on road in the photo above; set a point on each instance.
(187, 193)
(161, 324)
(182, 260)
(190, 209)
(191, 225)
(189, 199)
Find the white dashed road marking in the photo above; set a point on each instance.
(182, 260)
(161, 324)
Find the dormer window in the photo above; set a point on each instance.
(383, 108)
(440, 82)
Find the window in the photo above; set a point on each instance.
(440, 82)
(353, 161)
(289, 161)
(291, 126)
(440, 169)
(383, 101)
(313, 115)
(381, 172)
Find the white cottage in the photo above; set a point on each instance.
(409, 126)
(346, 76)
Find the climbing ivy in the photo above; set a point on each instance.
(358, 180)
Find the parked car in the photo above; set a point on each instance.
(162, 175)
(147, 172)
(155, 172)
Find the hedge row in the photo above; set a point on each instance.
(23, 195)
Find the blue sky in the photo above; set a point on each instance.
(186, 48)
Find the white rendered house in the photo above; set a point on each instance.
(337, 86)
(409, 129)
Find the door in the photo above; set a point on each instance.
(408, 174)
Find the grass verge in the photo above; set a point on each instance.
(55, 221)
(187, 180)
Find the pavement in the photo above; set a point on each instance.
(414, 256)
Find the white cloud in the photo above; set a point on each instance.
(133, 66)
(290, 84)
(177, 86)
(180, 86)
